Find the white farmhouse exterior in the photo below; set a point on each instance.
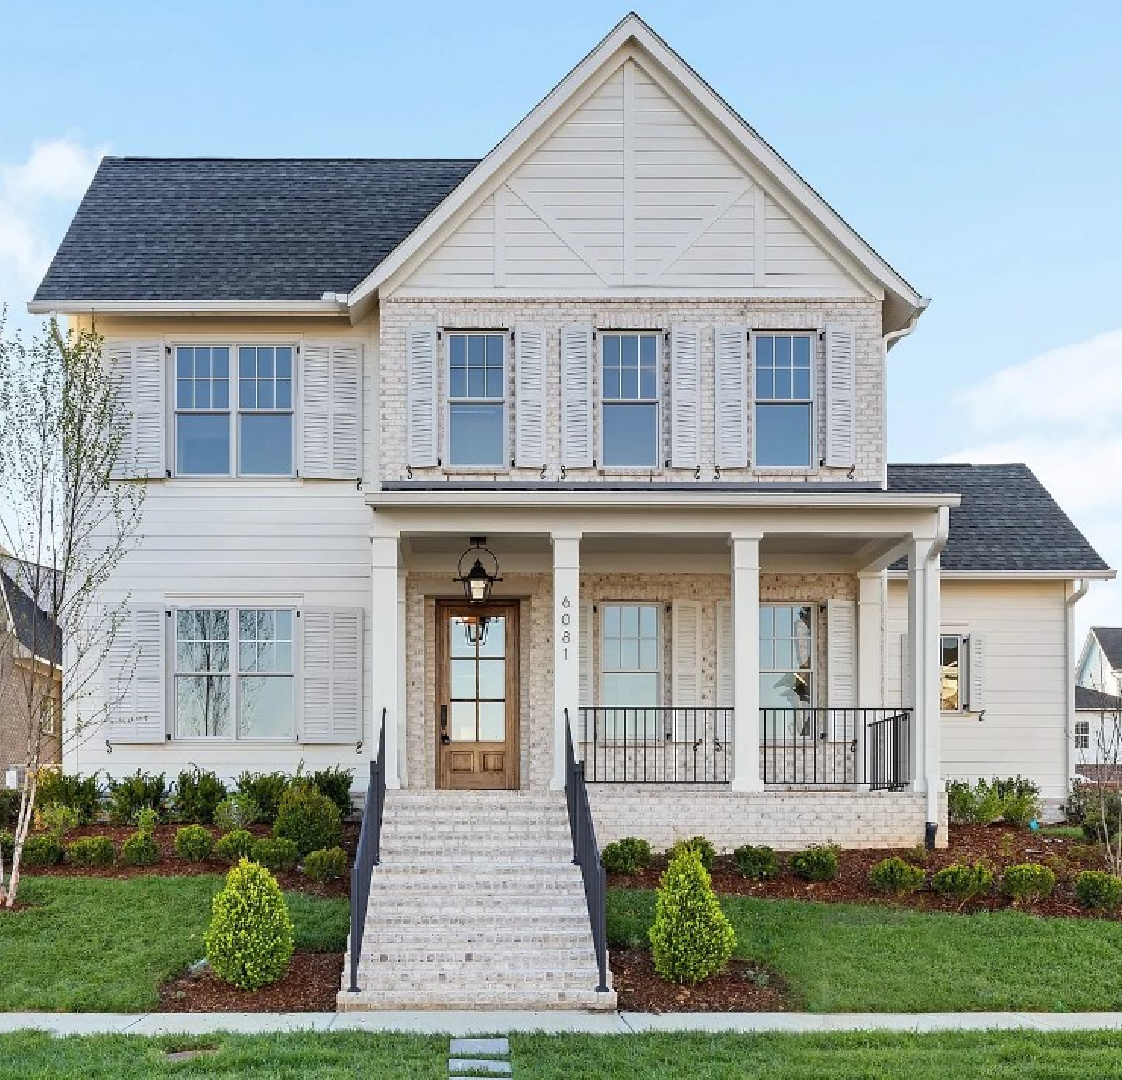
(640, 360)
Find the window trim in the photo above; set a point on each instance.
(812, 402)
(963, 639)
(446, 334)
(172, 672)
(660, 454)
(601, 636)
(234, 411)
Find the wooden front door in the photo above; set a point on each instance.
(477, 695)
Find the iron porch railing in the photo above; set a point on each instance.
(888, 752)
(369, 851)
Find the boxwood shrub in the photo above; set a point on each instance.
(1098, 889)
(816, 863)
(91, 851)
(627, 855)
(42, 849)
(194, 843)
(963, 882)
(1027, 882)
(274, 853)
(140, 850)
(896, 877)
(328, 864)
(233, 846)
(701, 845)
(308, 818)
(756, 862)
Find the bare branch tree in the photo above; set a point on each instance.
(67, 524)
(1098, 794)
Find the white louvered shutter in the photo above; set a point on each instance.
(685, 397)
(576, 396)
(331, 410)
(907, 694)
(732, 396)
(841, 395)
(584, 661)
(117, 356)
(685, 663)
(726, 666)
(421, 366)
(976, 701)
(529, 404)
(133, 670)
(841, 665)
(136, 374)
(331, 671)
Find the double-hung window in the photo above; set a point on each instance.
(952, 671)
(629, 378)
(630, 670)
(245, 433)
(1082, 734)
(476, 399)
(235, 673)
(786, 667)
(784, 414)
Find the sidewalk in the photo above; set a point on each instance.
(488, 1023)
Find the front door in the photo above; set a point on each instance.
(477, 695)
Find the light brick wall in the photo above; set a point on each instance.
(14, 679)
(657, 314)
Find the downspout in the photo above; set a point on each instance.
(887, 341)
(933, 781)
(1069, 668)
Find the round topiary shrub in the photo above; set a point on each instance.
(628, 855)
(691, 937)
(42, 850)
(1027, 882)
(250, 940)
(326, 865)
(962, 882)
(1098, 890)
(234, 846)
(818, 863)
(140, 850)
(756, 863)
(703, 847)
(236, 812)
(896, 877)
(194, 843)
(308, 818)
(274, 853)
(91, 851)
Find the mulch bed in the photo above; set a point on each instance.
(310, 985)
(744, 986)
(170, 863)
(998, 845)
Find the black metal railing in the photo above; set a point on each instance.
(888, 751)
(369, 851)
(664, 745)
(809, 747)
(586, 855)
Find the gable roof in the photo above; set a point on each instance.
(1110, 641)
(239, 229)
(34, 629)
(1088, 700)
(1007, 520)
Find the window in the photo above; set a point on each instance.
(476, 399)
(630, 670)
(48, 716)
(251, 436)
(629, 386)
(952, 667)
(783, 414)
(234, 687)
(786, 666)
(1082, 734)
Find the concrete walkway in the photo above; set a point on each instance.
(502, 1023)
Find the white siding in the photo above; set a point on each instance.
(1025, 725)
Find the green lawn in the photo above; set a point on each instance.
(853, 958)
(964, 1056)
(105, 945)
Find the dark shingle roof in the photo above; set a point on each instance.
(1007, 520)
(1110, 641)
(240, 229)
(35, 629)
(1090, 700)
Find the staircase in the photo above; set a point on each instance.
(476, 905)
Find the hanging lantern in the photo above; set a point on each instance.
(479, 580)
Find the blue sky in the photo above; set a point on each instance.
(976, 146)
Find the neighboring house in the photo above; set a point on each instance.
(30, 661)
(1100, 663)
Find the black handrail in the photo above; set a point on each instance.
(888, 752)
(586, 855)
(369, 853)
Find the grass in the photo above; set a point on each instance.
(872, 1056)
(1062, 832)
(858, 958)
(105, 945)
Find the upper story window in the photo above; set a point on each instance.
(249, 433)
(477, 399)
(784, 400)
(630, 406)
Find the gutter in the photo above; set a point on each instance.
(933, 780)
(888, 340)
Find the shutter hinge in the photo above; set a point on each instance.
(108, 747)
(358, 484)
(297, 350)
(296, 474)
(167, 736)
(167, 612)
(439, 463)
(167, 349)
(358, 747)
(512, 463)
(439, 335)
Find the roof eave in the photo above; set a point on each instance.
(189, 307)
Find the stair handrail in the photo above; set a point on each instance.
(369, 851)
(586, 855)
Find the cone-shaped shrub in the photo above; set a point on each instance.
(691, 937)
(250, 938)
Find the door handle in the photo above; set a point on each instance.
(444, 739)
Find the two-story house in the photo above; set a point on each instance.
(585, 439)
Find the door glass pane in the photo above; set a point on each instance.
(492, 721)
(458, 644)
(492, 679)
(495, 645)
(461, 721)
(462, 678)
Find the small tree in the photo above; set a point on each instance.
(1099, 798)
(67, 525)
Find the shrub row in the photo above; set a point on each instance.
(1015, 800)
(630, 855)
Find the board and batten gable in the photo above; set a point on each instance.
(245, 542)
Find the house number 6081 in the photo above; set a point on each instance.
(566, 620)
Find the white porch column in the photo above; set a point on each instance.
(746, 653)
(566, 644)
(387, 667)
(923, 633)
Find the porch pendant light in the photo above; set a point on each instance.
(478, 581)
(475, 629)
